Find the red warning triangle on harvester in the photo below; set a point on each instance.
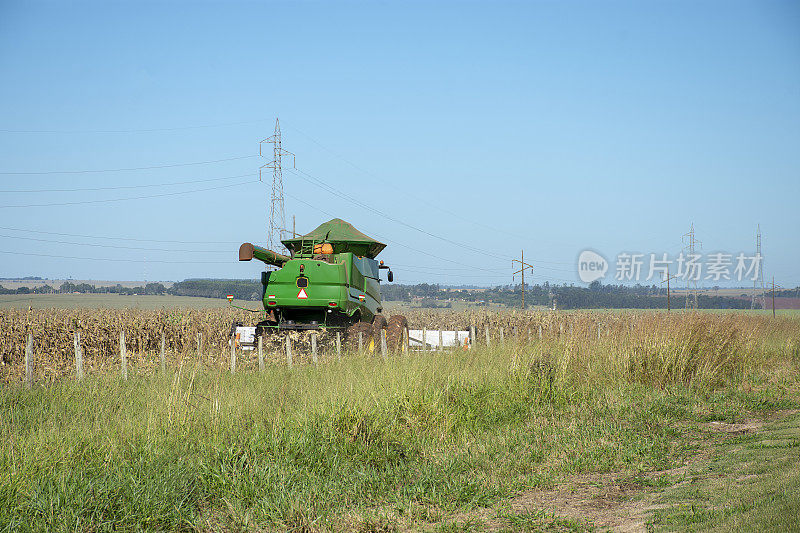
(302, 295)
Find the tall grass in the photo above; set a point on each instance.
(334, 446)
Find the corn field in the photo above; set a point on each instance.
(654, 347)
(53, 333)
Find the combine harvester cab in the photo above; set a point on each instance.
(330, 281)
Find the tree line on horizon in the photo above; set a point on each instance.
(595, 296)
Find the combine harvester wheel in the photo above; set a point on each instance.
(396, 333)
(378, 323)
(367, 337)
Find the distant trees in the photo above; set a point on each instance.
(241, 289)
(596, 296)
(44, 289)
(405, 293)
(207, 288)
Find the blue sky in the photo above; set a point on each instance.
(476, 129)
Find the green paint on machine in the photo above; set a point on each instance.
(330, 280)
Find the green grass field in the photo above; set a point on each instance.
(691, 426)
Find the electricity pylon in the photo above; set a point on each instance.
(759, 297)
(277, 214)
(690, 243)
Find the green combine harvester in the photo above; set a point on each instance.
(329, 282)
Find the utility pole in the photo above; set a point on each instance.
(691, 284)
(760, 279)
(523, 266)
(774, 287)
(277, 215)
(667, 282)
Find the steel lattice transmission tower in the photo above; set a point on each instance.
(690, 244)
(277, 214)
(759, 297)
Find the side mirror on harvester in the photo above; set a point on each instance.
(390, 277)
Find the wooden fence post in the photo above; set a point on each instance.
(424, 339)
(261, 353)
(314, 347)
(540, 332)
(339, 346)
(289, 352)
(199, 344)
(487, 337)
(123, 354)
(441, 344)
(233, 353)
(502, 338)
(383, 344)
(472, 336)
(163, 354)
(405, 339)
(29, 361)
(78, 355)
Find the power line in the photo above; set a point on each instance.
(450, 272)
(316, 181)
(108, 200)
(432, 204)
(406, 193)
(143, 186)
(95, 171)
(445, 274)
(114, 246)
(391, 241)
(320, 183)
(495, 270)
(471, 267)
(118, 260)
(144, 130)
(113, 238)
(413, 270)
(440, 269)
(492, 272)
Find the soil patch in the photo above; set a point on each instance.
(617, 500)
(604, 500)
